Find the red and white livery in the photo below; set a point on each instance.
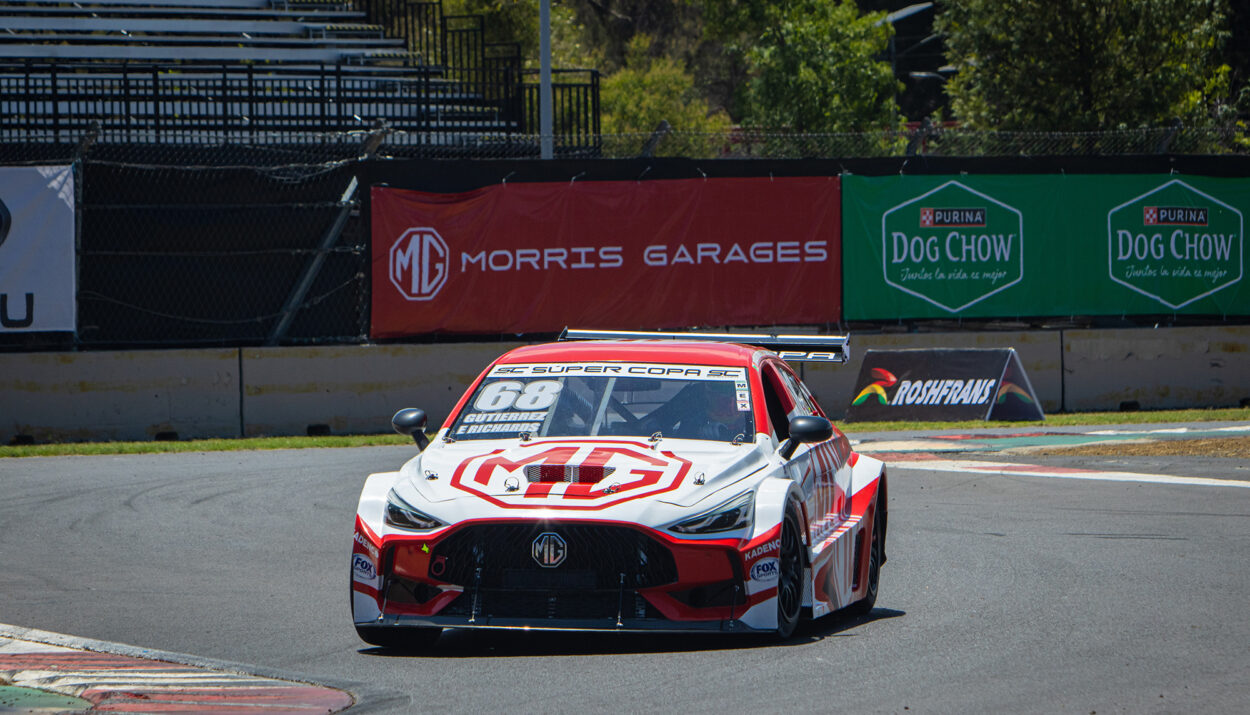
(624, 481)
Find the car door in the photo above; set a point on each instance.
(820, 469)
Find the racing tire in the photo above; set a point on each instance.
(789, 577)
(399, 638)
(876, 551)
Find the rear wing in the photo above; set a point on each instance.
(794, 348)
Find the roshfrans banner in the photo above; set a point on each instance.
(538, 257)
(943, 385)
(1046, 245)
(37, 276)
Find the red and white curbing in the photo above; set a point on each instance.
(114, 682)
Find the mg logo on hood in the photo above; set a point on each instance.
(418, 263)
(549, 550)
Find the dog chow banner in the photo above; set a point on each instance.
(37, 280)
(943, 385)
(1043, 245)
(538, 257)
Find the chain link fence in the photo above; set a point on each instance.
(924, 140)
(246, 244)
(268, 149)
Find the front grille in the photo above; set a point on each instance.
(574, 473)
(595, 557)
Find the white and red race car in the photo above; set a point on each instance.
(641, 482)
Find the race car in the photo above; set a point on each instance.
(684, 482)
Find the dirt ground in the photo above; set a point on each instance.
(1230, 447)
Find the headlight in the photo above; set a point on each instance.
(732, 515)
(402, 515)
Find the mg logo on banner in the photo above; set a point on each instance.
(952, 246)
(1175, 244)
(418, 263)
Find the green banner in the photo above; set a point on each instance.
(1042, 245)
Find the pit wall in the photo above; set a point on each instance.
(226, 392)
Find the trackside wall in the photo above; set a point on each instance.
(138, 395)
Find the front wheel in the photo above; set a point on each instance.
(789, 577)
(399, 638)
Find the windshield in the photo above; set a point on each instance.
(609, 399)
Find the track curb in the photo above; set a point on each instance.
(361, 698)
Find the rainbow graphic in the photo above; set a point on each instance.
(884, 379)
(1011, 388)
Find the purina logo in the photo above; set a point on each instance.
(968, 246)
(952, 217)
(1174, 216)
(419, 263)
(1175, 244)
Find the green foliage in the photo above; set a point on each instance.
(647, 90)
(1085, 65)
(812, 64)
(511, 21)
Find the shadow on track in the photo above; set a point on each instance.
(473, 643)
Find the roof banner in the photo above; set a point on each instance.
(945, 384)
(536, 257)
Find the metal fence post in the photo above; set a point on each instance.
(346, 203)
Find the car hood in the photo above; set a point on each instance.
(600, 476)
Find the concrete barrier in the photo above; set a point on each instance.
(355, 389)
(132, 395)
(138, 395)
(1163, 368)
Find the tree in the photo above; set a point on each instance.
(812, 65)
(1085, 65)
(647, 90)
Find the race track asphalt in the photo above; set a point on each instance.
(1002, 593)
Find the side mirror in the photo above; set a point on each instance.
(805, 429)
(411, 421)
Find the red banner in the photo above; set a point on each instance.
(533, 258)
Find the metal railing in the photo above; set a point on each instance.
(450, 93)
(206, 103)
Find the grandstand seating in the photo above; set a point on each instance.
(200, 70)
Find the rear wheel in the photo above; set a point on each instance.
(398, 638)
(789, 577)
(876, 551)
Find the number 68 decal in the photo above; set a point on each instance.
(502, 395)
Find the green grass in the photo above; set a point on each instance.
(370, 440)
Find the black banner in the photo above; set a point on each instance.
(943, 385)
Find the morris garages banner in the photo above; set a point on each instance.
(538, 257)
(1053, 245)
(37, 249)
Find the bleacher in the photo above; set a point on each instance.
(203, 71)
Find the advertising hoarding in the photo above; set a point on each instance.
(1045, 245)
(37, 273)
(539, 257)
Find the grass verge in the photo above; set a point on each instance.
(372, 440)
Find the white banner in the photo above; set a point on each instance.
(37, 277)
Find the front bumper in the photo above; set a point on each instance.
(610, 576)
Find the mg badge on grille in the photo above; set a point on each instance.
(549, 550)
